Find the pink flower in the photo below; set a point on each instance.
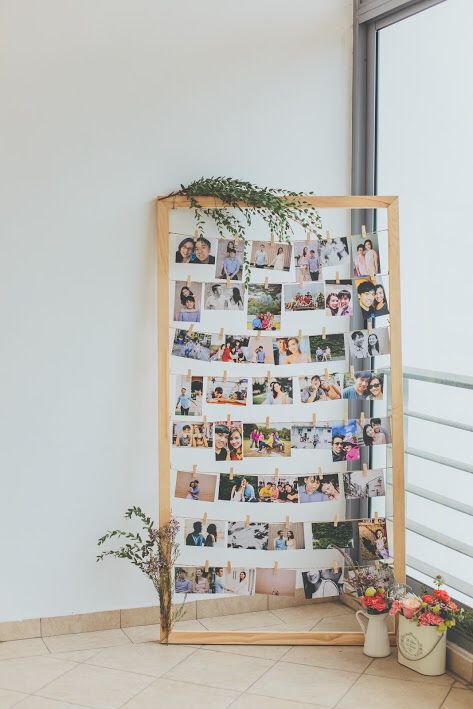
(430, 619)
(395, 608)
(410, 605)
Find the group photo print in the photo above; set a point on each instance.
(189, 392)
(264, 306)
(259, 440)
(303, 297)
(193, 345)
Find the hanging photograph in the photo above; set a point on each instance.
(338, 298)
(319, 488)
(229, 264)
(308, 436)
(327, 349)
(346, 441)
(192, 435)
(199, 487)
(218, 297)
(194, 345)
(322, 583)
(291, 350)
(283, 489)
(373, 540)
(210, 534)
(359, 484)
(365, 250)
(377, 431)
(325, 535)
(272, 391)
(303, 298)
(187, 301)
(363, 386)
(261, 350)
(238, 488)
(188, 395)
(239, 581)
(365, 343)
(334, 252)
(251, 536)
(195, 251)
(286, 537)
(320, 388)
(276, 582)
(228, 437)
(235, 349)
(192, 579)
(231, 391)
(307, 260)
(372, 300)
(275, 256)
(259, 440)
(264, 307)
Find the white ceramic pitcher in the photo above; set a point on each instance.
(376, 634)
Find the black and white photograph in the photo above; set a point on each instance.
(325, 535)
(366, 258)
(377, 431)
(280, 490)
(264, 307)
(291, 350)
(338, 298)
(199, 487)
(187, 301)
(319, 488)
(346, 440)
(261, 350)
(334, 252)
(272, 390)
(251, 536)
(372, 298)
(319, 387)
(192, 435)
(238, 488)
(363, 385)
(284, 537)
(275, 255)
(210, 534)
(231, 391)
(330, 348)
(373, 540)
(307, 261)
(280, 582)
(218, 297)
(310, 437)
(263, 441)
(188, 395)
(229, 264)
(199, 251)
(228, 440)
(368, 343)
(364, 483)
(300, 298)
(322, 583)
(194, 345)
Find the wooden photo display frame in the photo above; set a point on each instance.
(391, 204)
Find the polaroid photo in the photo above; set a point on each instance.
(305, 297)
(187, 301)
(291, 350)
(279, 582)
(307, 261)
(230, 256)
(377, 431)
(325, 535)
(264, 307)
(253, 536)
(372, 300)
(261, 441)
(261, 350)
(188, 395)
(338, 298)
(366, 255)
(199, 487)
(275, 256)
(231, 391)
(363, 386)
(281, 490)
(240, 582)
(200, 251)
(192, 579)
(322, 583)
(238, 488)
(310, 437)
(284, 537)
(346, 440)
(319, 488)
(318, 387)
(218, 297)
(198, 534)
(330, 348)
(368, 343)
(228, 440)
(360, 484)
(334, 252)
(373, 540)
(192, 435)
(275, 390)
(196, 345)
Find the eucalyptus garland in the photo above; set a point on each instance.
(266, 202)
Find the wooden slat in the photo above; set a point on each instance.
(347, 202)
(212, 637)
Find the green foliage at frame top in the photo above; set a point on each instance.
(266, 202)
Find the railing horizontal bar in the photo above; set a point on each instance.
(439, 499)
(432, 571)
(446, 378)
(436, 419)
(417, 453)
(433, 536)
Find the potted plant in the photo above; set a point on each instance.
(422, 631)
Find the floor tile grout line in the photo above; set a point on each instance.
(337, 704)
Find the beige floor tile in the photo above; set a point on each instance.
(28, 674)
(347, 623)
(86, 641)
(351, 659)
(189, 625)
(220, 669)
(150, 633)
(393, 694)
(97, 687)
(314, 612)
(164, 693)
(459, 699)
(75, 655)
(35, 702)
(143, 658)
(241, 621)
(214, 607)
(304, 684)
(390, 667)
(9, 698)
(254, 701)
(265, 652)
(22, 648)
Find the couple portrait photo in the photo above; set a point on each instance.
(197, 487)
(363, 385)
(273, 255)
(238, 488)
(320, 388)
(195, 251)
(369, 343)
(218, 297)
(319, 488)
(320, 583)
(192, 435)
(196, 534)
(366, 255)
(187, 301)
(371, 298)
(307, 260)
(286, 537)
(228, 440)
(338, 298)
(327, 349)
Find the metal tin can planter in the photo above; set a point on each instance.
(421, 647)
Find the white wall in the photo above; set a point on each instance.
(106, 104)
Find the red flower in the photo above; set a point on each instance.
(377, 602)
(430, 619)
(427, 599)
(442, 596)
(453, 606)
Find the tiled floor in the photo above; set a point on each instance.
(128, 668)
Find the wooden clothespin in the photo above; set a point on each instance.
(286, 523)
(276, 473)
(268, 376)
(189, 374)
(228, 282)
(377, 565)
(362, 418)
(352, 371)
(229, 567)
(205, 421)
(194, 469)
(307, 235)
(324, 333)
(221, 333)
(314, 419)
(205, 518)
(267, 422)
(189, 281)
(328, 237)
(337, 278)
(365, 470)
(369, 325)
(299, 335)
(301, 277)
(345, 420)
(229, 419)
(225, 375)
(190, 329)
(258, 335)
(206, 566)
(196, 234)
(334, 566)
(247, 521)
(335, 520)
(231, 474)
(275, 567)
(326, 375)
(320, 473)
(272, 237)
(266, 282)
(363, 231)
(376, 518)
